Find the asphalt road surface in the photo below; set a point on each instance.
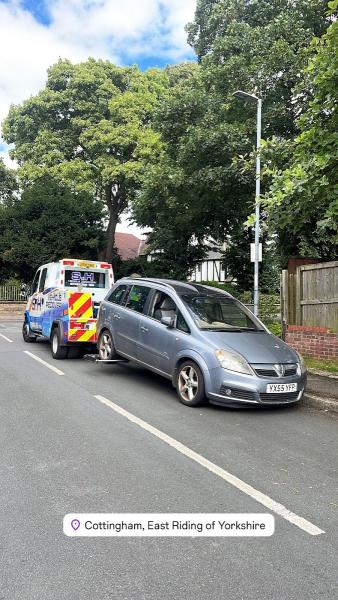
(63, 450)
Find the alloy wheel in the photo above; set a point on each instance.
(105, 346)
(188, 383)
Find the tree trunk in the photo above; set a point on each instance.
(109, 252)
(116, 200)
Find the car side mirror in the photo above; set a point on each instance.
(169, 321)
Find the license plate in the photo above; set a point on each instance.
(281, 388)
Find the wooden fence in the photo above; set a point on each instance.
(310, 296)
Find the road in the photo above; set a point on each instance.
(64, 451)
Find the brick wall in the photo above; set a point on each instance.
(317, 342)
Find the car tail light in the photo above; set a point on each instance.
(71, 263)
(105, 266)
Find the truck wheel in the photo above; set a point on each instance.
(190, 384)
(58, 352)
(28, 337)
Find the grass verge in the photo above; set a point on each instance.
(321, 364)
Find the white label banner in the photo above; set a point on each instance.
(168, 525)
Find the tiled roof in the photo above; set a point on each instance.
(128, 245)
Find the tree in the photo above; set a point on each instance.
(257, 45)
(90, 128)
(205, 176)
(302, 202)
(47, 223)
(8, 183)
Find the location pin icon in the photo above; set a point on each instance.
(75, 524)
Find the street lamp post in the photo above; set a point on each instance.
(253, 98)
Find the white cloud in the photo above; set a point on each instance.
(121, 30)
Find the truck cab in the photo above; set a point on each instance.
(64, 301)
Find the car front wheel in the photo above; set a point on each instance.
(190, 384)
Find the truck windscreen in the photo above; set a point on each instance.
(84, 278)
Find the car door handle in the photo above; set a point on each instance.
(144, 329)
(116, 316)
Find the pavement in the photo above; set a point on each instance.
(322, 391)
(62, 450)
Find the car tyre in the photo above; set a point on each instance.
(27, 335)
(106, 346)
(58, 351)
(190, 384)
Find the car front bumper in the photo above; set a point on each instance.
(229, 388)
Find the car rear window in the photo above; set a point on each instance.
(137, 298)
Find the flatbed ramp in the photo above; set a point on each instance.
(95, 358)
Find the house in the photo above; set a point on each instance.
(211, 268)
(128, 245)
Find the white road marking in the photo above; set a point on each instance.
(43, 362)
(6, 338)
(266, 501)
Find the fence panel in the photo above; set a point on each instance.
(310, 297)
(10, 293)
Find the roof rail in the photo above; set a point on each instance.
(151, 279)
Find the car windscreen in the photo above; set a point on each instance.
(219, 313)
(85, 278)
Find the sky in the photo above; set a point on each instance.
(36, 33)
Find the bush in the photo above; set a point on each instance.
(269, 307)
(274, 327)
(12, 281)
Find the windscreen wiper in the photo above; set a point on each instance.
(235, 329)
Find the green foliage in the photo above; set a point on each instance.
(269, 307)
(12, 281)
(321, 364)
(203, 183)
(302, 201)
(8, 183)
(47, 223)
(90, 128)
(275, 328)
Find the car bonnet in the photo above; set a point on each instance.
(255, 346)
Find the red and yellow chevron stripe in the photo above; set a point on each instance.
(80, 305)
(83, 330)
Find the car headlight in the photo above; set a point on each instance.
(301, 363)
(232, 362)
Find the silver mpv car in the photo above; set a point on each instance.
(204, 340)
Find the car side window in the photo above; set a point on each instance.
(117, 295)
(162, 306)
(42, 280)
(137, 298)
(35, 282)
(181, 323)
